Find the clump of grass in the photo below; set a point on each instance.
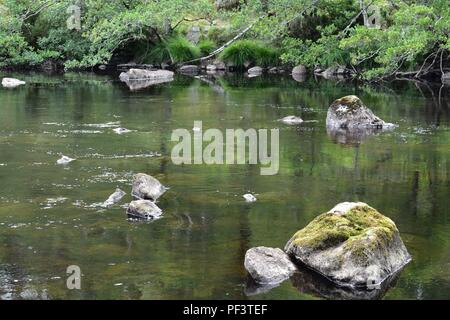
(181, 49)
(206, 46)
(176, 49)
(158, 54)
(250, 51)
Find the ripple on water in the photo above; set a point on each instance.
(52, 202)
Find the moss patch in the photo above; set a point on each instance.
(353, 102)
(352, 227)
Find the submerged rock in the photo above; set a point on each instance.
(146, 187)
(268, 265)
(141, 78)
(114, 198)
(189, 69)
(349, 112)
(143, 210)
(291, 120)
(121, 130)
(352, 245)
(64, 160)
(249, 197)
(12, 83)
(143, 74)
(299, 70)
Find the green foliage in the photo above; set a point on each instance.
(325, 33)
(250, 51)
(206, 46)
(181, 49)
(175, 49)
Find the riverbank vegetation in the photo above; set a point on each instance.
(374, 39)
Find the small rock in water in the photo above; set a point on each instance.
(11, 82)
(268, 265)
(64, 160)
(143, 210)
(291, 120)
(114, 198)
(121, 130)
(146, 187)
(249, 197)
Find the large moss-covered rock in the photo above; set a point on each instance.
(353, 245)
(349, 113)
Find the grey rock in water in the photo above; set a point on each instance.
(352, 245)
(64, 160)
(220, 65)
(189, 69)
(114, 198)
(249, 197)
(146, 187)
(291, 120)
(299, 70)
(255, 71)
(12, 83)
(143, 210)
(121, 130)
(141, 78)
(143, 74)
(350, 112)
(268, 265)
(211, 67)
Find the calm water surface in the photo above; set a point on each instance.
(49, 218)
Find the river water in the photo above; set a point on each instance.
(50, 218)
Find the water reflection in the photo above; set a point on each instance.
(197, 249)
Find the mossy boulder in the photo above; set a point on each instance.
(349, 112)
(352, 244)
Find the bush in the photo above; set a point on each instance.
(250, 51)
(206, 46)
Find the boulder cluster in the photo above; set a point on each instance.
(352, 245)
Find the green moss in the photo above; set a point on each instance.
(352, 102)
(352, 227)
